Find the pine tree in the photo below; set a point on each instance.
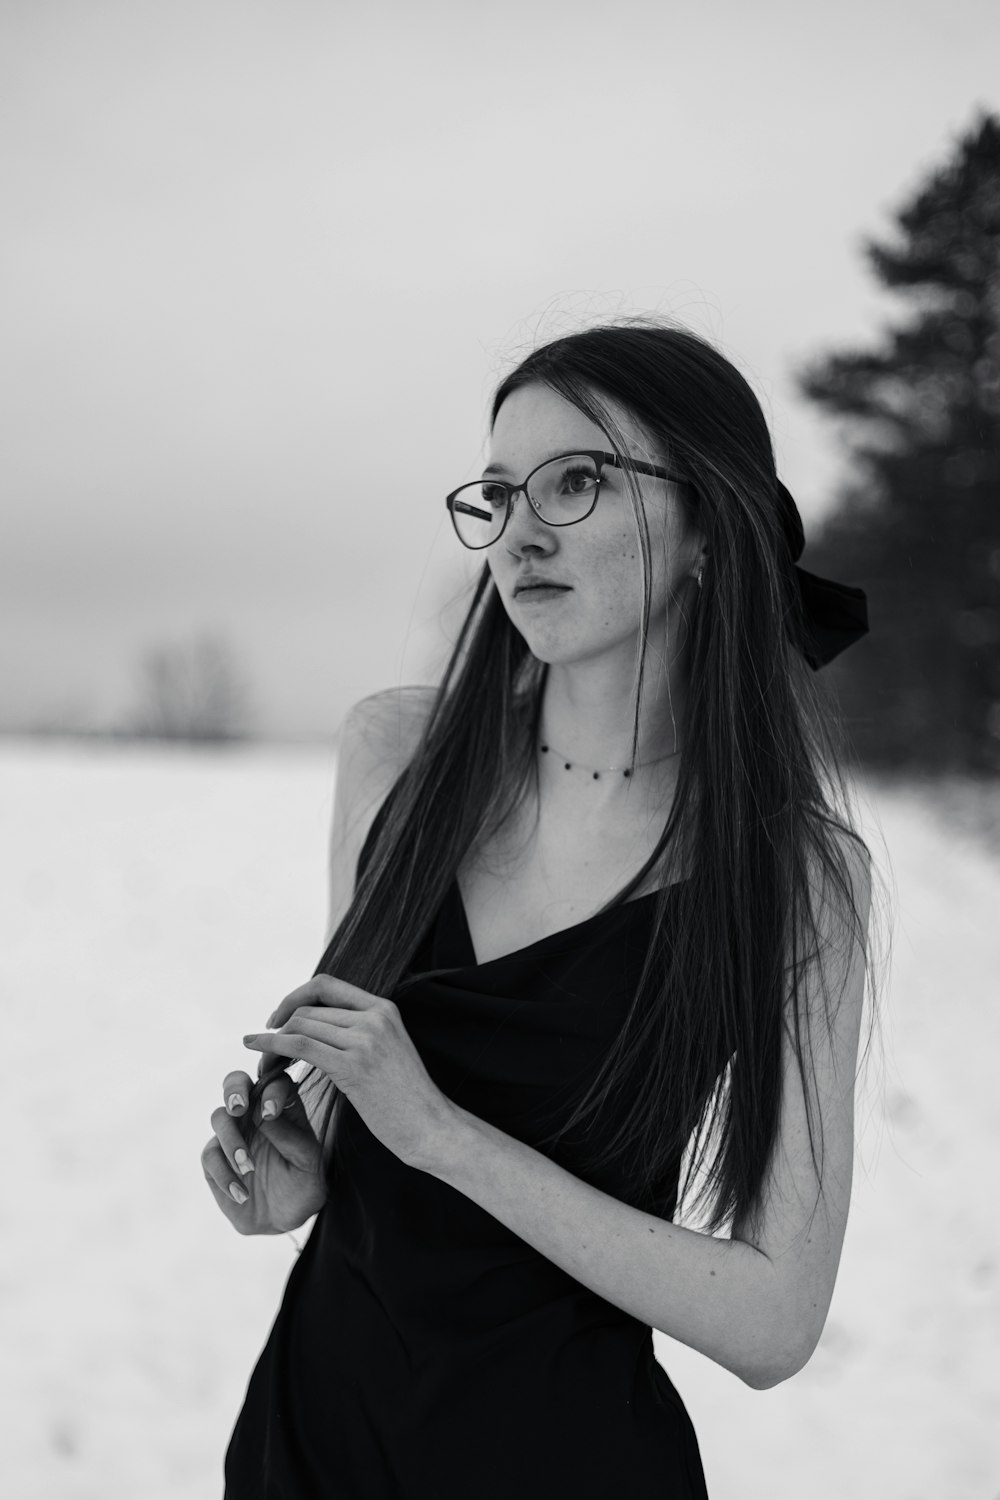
(919, 521)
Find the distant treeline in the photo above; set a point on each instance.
(190, 690)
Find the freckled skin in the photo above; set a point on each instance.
(598, 558)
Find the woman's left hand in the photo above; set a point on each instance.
(361, 1042)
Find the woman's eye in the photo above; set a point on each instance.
(579, 481)
(495, 495)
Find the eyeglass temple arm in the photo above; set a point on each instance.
(642, 468)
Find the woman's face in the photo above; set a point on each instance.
(598, 559)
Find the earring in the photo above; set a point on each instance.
(698, 576)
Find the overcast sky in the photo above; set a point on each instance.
(263, 262)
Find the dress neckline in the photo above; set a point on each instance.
(550, 936)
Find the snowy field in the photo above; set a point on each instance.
(157, 903)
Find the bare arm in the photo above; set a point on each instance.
(758, 1309)
(374, 744)
(278, 1183)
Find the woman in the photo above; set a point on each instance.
(609, 907)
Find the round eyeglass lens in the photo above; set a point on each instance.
(561, 492)
(478, 511)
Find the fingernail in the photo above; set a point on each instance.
(271, 1018)
(243, 1161)
(269, 1109)
(236, 1101)
(235, 1191)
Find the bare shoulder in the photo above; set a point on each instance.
(377, 739)
(380, 733)
(844, 896)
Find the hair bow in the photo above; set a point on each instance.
(835, 615)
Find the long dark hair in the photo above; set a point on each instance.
(760, 820)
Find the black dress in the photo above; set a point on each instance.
(423, 1351)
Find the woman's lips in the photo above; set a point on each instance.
(540, 592)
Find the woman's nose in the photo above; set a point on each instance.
(524, 525)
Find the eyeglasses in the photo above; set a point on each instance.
(562, 491)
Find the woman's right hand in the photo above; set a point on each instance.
(286, 1185)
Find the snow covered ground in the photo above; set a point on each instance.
(155, 905)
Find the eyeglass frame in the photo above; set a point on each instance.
(599, 457)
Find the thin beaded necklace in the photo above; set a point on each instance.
(607, 770)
